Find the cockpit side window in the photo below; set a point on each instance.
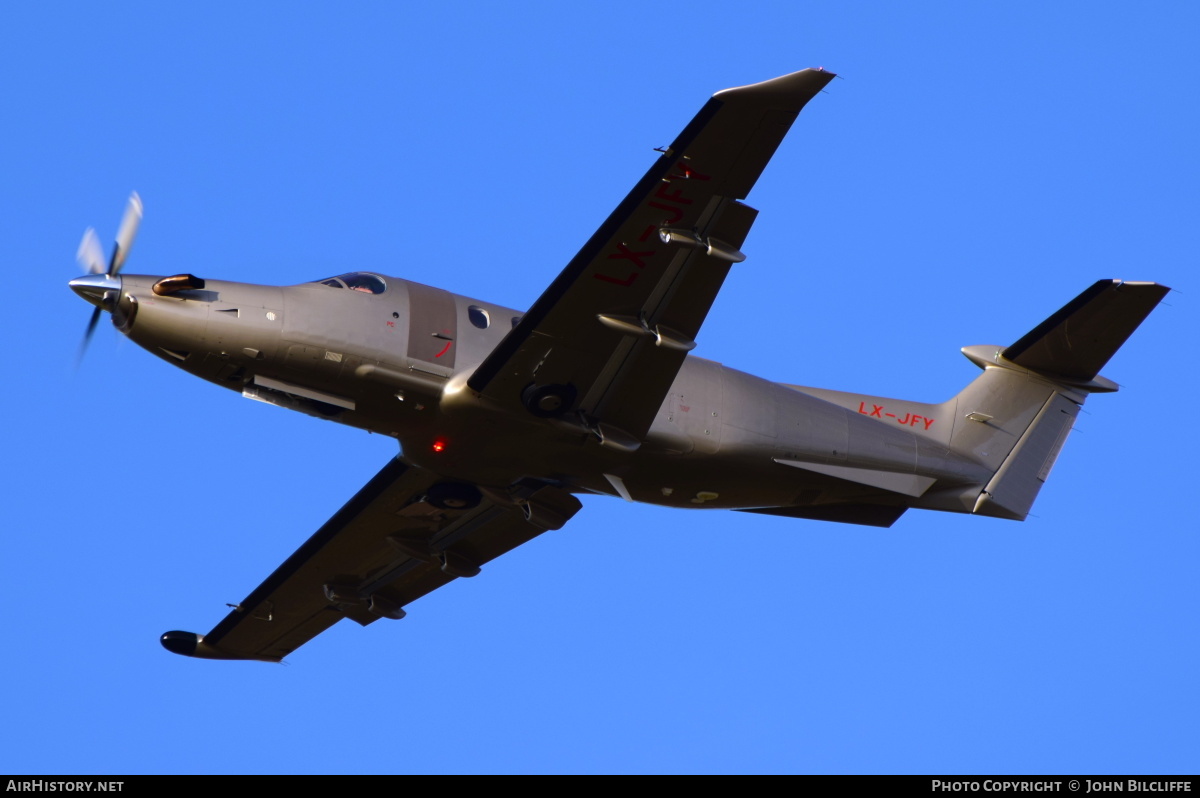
(361, 281)
(357, 281)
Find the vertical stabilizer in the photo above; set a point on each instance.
(1015, 485)
(993, 413)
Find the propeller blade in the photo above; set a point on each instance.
(90, 254)
(96, 289)
(87, 336)
(126, 234)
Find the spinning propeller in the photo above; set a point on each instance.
(102, 287)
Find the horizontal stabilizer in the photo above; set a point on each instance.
(1079, 339)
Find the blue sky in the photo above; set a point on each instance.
(976, 167)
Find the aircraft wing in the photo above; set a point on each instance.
(602, 345)
(388, 546)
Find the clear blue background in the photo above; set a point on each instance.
(978, 166)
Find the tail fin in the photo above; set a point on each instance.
(1015, 417)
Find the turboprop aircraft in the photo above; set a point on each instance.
(504, 417)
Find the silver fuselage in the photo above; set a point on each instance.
(396, 364)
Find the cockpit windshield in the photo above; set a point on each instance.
(357, 281)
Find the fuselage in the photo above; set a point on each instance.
(392, 356)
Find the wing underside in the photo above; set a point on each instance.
(603, 343)
(388, 546)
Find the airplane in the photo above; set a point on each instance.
(505, 417)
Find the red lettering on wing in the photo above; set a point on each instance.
(675, 196)
(628, 281)
(627, 254)
(678, 212)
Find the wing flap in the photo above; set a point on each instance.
(641, 360)
(488, 534)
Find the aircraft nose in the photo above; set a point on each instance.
(95, 287)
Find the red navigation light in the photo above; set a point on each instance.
(439, 445)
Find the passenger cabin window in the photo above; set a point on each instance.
(478, 316)
(357, 281)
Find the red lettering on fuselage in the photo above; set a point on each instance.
(909, 419)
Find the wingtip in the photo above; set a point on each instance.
(182, 643)
(190, 644)
(798, 86)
